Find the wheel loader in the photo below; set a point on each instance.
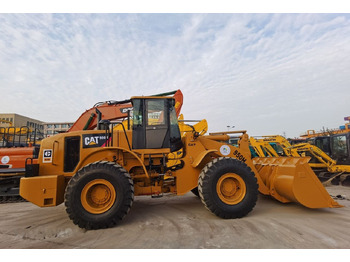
(97, 173)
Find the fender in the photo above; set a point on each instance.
(201, 156)
(103, 154)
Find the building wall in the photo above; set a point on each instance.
(19, 121)
(48, 129)
(53, 128)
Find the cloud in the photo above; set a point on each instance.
(267, 73)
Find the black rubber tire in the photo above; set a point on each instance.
(123, 186)
(209, 178)
(195, 191)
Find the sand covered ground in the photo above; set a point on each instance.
(182, 222)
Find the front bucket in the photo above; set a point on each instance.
(290, 179)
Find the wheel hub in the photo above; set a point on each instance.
(98, 196)
(231, 188)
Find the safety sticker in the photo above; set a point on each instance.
(5, 160)
(225, 150)
(47, 156)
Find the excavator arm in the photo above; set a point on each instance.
(109, 111)
(283, 142)
(330, 163)
(315, 151)
(262, 148)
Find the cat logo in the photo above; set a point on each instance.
(90, 141)
(47, 156)
(94, 140)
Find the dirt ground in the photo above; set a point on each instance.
(182, 222)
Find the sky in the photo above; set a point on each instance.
(267, 73)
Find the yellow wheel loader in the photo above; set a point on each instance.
(97, 173)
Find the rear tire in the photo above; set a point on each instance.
(99, 195)
(228, 188)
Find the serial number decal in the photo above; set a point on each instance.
(239, 156)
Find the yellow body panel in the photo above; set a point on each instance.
(43, 191)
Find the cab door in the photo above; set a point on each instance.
(157, 124)
(150, 124)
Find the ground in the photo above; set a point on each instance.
(182, 222)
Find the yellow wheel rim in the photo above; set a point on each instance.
(98, 196)
(231, 189)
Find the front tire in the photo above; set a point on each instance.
(99, 195)
(228, 188)
(195, 191)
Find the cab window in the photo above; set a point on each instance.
(155, 112)
(339, 145)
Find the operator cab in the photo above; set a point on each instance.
(323, 143)
(155, 124)
(340, 145)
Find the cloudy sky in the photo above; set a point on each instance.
(265, 73)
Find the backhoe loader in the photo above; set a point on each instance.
(97, 173)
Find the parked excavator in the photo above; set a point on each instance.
(97, 173)
(330, 158)
(19, 143)
(335, 166)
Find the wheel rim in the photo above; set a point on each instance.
(231, 189)
(98, 196)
